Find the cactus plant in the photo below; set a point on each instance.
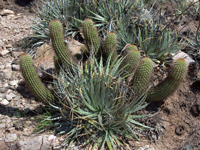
(110, 45)
(131, 59)
(33, 81)
(62, 52)
(91, 36)
(143, 74)
(171, 83)
(99, 103)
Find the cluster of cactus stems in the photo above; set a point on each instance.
(132, 64)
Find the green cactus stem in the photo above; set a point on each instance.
(62, 52)
(91, 36)
(33, 82)
(131, 59)
(171, 83)
(57, 63)
(143, 74)
(110, 45)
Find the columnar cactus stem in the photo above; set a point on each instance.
(143, 74)
(110, 45)
(91, 36)
(33, 82)
(171, 83)
(56, 34)
(131, 59)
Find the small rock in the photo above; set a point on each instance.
(2, 126)
(10, 138)
(176, 21)
(4, 52)
(32, 144)
(4, 102)
(2, 67)
(8, 65)
(2, 95)
(6, 12)
(8, 97)
(2, 89)
(144, 147)
(185, 56)
(15, 67)
(7, 73)
(8, 46)
(5, 85)
(17, 98)
(14, 82)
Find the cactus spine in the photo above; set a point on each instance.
(91, 36)
(171, 83)
(33, 81)
(62, 52)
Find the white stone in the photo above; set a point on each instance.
(15, 67)
(8, 97)
(10, 138)
(4, 102)
(8, 65)
(6, 12)
(2, 67)
(146, 147)
(4, 52)
(5, 85)
(14, 82)
(183, 55)
(2, 126)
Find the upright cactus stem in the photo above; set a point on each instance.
(62, 52)
(91, 36)
(131, 59)
(171, 83)
(33, 82)
(110, 45)
(143, 74)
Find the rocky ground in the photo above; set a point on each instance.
(177, 119)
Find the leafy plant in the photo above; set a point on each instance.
(94, 99)
(105, 13)
(154, 43)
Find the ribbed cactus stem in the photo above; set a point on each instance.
(110, 45)
(131, 59)
(143, 74)
(33, 82)
(56, 34)
(91, 36)
(171, 83)
(57, 63)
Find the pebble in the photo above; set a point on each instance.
(10, 138)
(17, 98)
(2, 89)
(2, 126)
(14, 82)
(5, 85)
(8, 65)
(9, 97)
(15, 67)
(4, 52)
(2, 95)
(7, 73)
(2, 67)
(6, 12)
(4, 102)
